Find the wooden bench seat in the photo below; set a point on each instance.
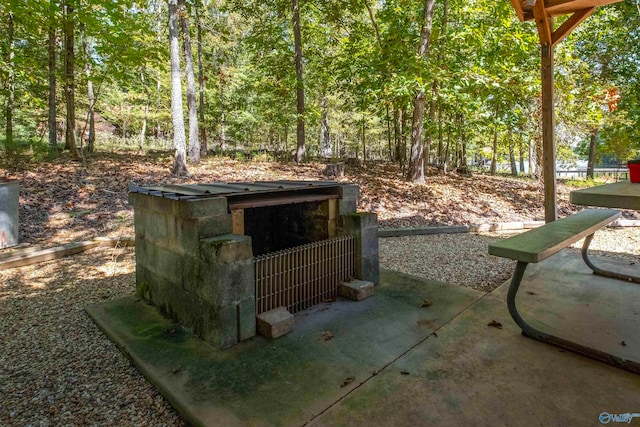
(540, 243)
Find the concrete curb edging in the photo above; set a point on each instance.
(29, 256)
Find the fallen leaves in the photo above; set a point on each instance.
(495, 324)
(347, 381)
(101, 185)
(425, 303)
(326, 335)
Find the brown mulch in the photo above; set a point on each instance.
(65, 201)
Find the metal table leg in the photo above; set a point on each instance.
(531, 332)
(599, 271)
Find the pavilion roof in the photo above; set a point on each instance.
(543, 11)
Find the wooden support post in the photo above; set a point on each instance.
(333, 214)
(548, 132)
(237, 216)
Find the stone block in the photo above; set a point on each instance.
(202, 208)
(275, 323)
(349, 191)
(246, 318)
(363, 226)
(369, 242)
(139, 223)
(356, 290)
(138, 201)
(353, 223)
(211, 226)
(226, 248)
(347, 206)
(368, 268)
(156, 227)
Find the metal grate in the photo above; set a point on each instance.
(306, 275)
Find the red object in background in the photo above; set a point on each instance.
(634, 170)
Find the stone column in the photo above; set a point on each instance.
(364, 227)
(192, 268)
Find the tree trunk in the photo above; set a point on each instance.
(194, 141)
(143, 131)
(92, 100)
(179, 167)
(11, 80)
(532, 166)
(297, 37)
(325, 131)
(158, 105)
(397, 127)
(591, 162)
(53, 125)
(521, 155)
(70, 86)
(364, 140)
(440, 140)
(203, 129)
(432, 119)
(494, 153)
(416, 161)
(434, 86)
(389, 134)
(512, 158)
(447, 151)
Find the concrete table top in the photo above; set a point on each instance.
(622, 195)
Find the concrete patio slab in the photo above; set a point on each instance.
(290, 380)
(475, 374)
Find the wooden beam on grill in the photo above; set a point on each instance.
(237, 218)
(333, 215)
(260, 202)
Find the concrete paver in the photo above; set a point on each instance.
(390, 362)
(292, 379)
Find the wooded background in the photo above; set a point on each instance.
(299, 78)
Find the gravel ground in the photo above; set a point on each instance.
(462, 259)
(57, 368)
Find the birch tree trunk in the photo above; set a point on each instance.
(194, 141)
(179, 167)
(92, 100)
(416, 161)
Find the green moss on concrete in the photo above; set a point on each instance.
(289, 380)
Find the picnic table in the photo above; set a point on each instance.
(541, 243)
(623, 195)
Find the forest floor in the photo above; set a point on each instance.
(65, 201)
(60, 369)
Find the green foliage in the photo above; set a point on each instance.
(482, 78)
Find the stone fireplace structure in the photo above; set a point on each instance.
(207, 253)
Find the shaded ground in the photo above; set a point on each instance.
(65, 201)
